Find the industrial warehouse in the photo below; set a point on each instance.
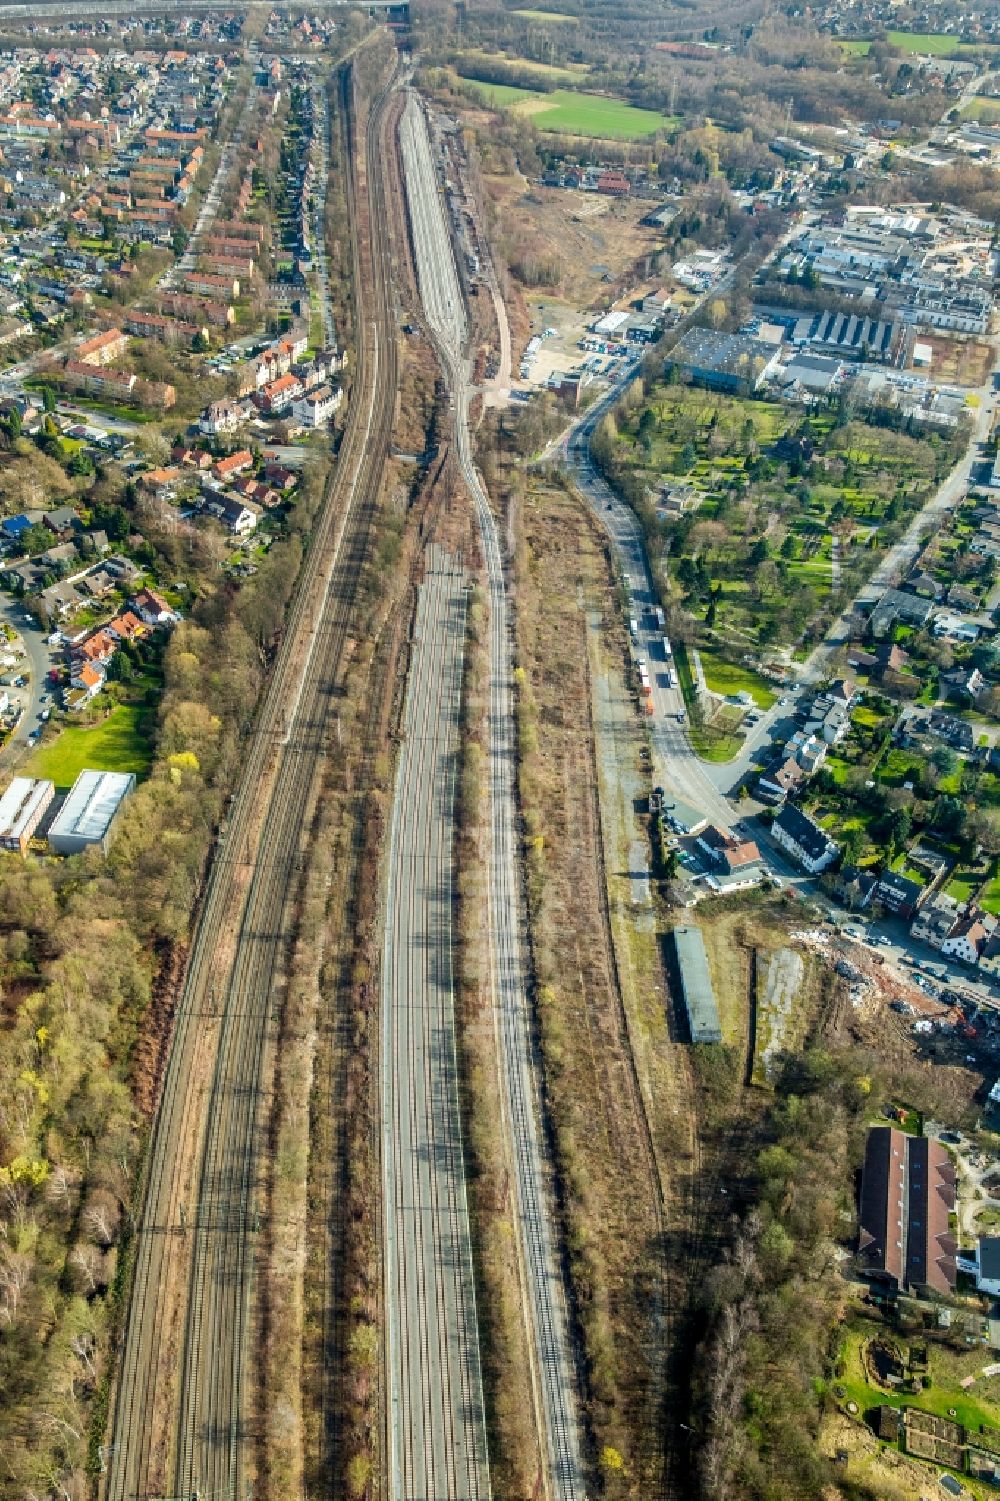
(22, 808)
(90, 811)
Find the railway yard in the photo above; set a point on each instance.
(181, 1406)
(521, 969)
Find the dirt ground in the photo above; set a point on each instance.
(960, 362)
(598, 1108)
(593, 242)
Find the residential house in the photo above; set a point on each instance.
(260, 494)
(152, 608)
(279, 475)
(58, 600)
(961, 598)
(315, 408)
(58, 556)
(123, 569)
(801, 838)
(937, 919)
(897, 605)
(925, 585)
(98, 583)
(899, 894)
(989, 956)
(780, 780)
(736, 862)
(224, 417)
(13, 527)
(963, 684)
(853, 887)
(970, 937)
(277, 397)
(957, 627)
(163, 484)
(236, 515)
(127, 626)
(828, 721)
(102, 349)
(86, 680)
(809, 752)
(907, 1199)
(61, 519)
(921, 725)
(233, 464)
(99, 646)
(988, 1266)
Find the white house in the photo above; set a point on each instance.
(795, 832)
(223, 417)
(315, 408)
(969, 938)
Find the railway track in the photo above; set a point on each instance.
(181, 1418)
(436, 1424)
(554, 1367)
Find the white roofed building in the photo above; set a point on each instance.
(21, 809)
(90, 811)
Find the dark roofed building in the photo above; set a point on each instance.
(725, 362)
(803, 839)
(899, 894)
(696, 985)
(907, 1195)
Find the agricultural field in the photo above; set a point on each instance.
(117, 743)
(783, 515)
(567, 112)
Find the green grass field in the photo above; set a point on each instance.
(924, 43)
(930, 43)
(987, 111)
(729, 679)
(570, 113)
(116, 744)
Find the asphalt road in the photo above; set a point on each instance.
(436, 1417)
(553, 1374)
(39, 657)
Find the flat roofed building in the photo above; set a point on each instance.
(21, 810)
(696, 985)
(907, 1195)
(89, 813)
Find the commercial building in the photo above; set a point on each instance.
(724, 362)
(21, 810)
(696, 986)
(907, 1195)
(89, 814)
